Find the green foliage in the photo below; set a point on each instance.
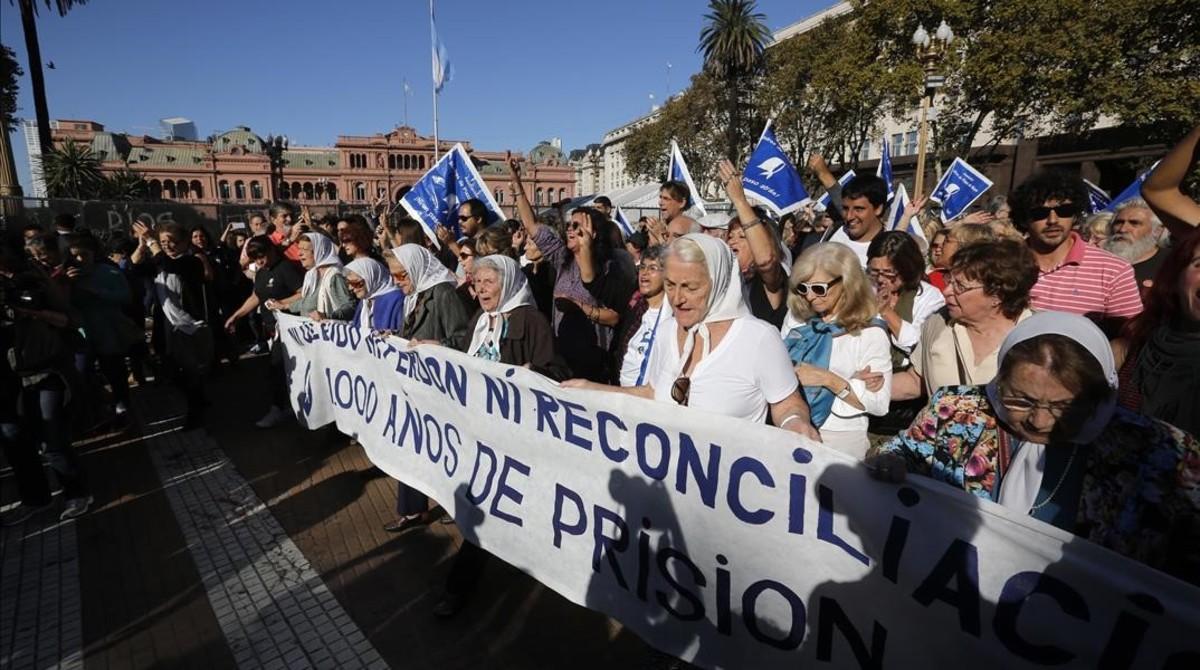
(10, 71)
(696, 119)
(733, 40)
(72, 171)
(124, 184)
(1016, 68)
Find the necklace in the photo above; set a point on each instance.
(1061, 479)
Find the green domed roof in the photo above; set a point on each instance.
(545, 152)
(240, 136)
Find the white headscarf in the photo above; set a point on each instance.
(1020, 485)
(374, 274)
(424, 270)
(725, 299)
(324, 254)
(514, 293)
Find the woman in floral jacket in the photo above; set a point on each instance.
(1046, 438)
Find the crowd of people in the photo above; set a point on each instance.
(1027, 354)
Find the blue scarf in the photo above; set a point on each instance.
(812, 343)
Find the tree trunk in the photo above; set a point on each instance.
(732, 130)
(36, 83)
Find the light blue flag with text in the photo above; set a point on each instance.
(960, 186)
(434, 199)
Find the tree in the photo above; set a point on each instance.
(33, 50)
(124, 184)
(10, 71)
(697, 119)
(732, 41)
(72, 171)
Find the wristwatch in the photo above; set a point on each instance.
(844, 393)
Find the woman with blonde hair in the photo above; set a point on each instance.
(830, 337)
(962, 235)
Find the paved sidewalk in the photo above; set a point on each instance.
(232, 547)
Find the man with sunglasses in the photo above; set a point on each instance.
(1073, 276)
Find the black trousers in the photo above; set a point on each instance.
(466, 571)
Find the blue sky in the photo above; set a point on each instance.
(524, 71)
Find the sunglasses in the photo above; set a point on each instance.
(818, 289)
(681, 389)
(1064, 210)
(356, 284)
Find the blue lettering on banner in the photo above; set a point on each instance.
(482, 451)
(505, 490)
(604, 546)
(740, 468)
(825, 526)
(576, 420)
(795, 635)
(561, 495)
(603, 420)
(705, 477)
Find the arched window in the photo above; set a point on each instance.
(169, 189)
(537, 197)
(562, 194)
(285, 191)
(499, 196)
(360, 191)
(239, 190)
(223, 189)
(197, 189)
(256, 191)
(296, 190)
(308, 190)
(332, 190)
(420, 162)
(181, 188)
(155, 188)
(391, 162)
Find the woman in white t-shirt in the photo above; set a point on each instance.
(830, 336)
(647, 311)
(712, 354)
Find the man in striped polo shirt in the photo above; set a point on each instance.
(1073, 276)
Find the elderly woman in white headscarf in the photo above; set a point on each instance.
(434, 311)
(380, 304)
(717, 357)
(1046, 438)
(325, 294)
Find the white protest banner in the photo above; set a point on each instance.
(729, 544)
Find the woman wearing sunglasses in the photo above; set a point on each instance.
(1046, 438)
(830, 337)
(380, 304)
(713, 355)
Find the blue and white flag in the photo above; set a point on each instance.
(884, 170)
(434, 199)
(960, 186)
(1134, 190)
(771, 179)
(622, 222)
(677, 170)
(1098, 198)
(823, 201)
(894, 222)
(443, 70)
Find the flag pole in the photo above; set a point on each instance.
(437, 149)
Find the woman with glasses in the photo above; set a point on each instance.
(646, 312)
(1046, 438)
(830, 337)
(433, 312)
(380, 305)
(937, 271)
(355, 237)
(987, 294)
(712, 354)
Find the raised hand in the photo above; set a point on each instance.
(732, 180)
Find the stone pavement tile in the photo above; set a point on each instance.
(333, 503)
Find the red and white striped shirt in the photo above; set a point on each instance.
(1091, 282)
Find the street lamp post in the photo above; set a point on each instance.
(276, 145)
(930, 52)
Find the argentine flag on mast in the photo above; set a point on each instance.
(443, 70)
(677, 170)
(912, 226)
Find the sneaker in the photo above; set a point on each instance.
(120, 409)
(22, 513)
(76, 507)
(272, 418)
(258, 349)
